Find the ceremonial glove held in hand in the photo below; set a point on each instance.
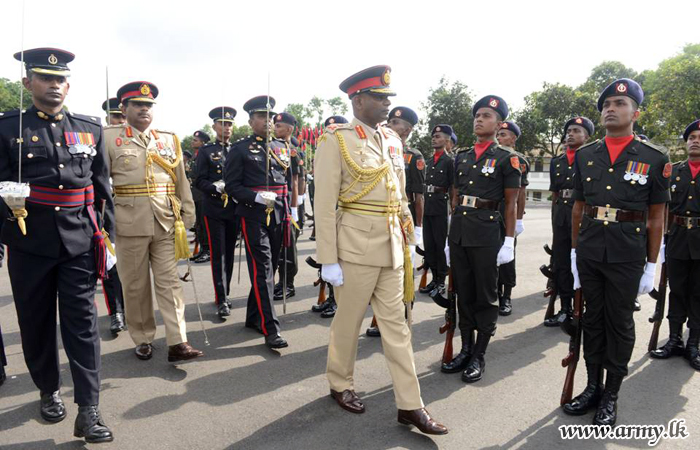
(574, 270)
(418, 233)
(219, 185)
(111, 259)
(332, 273)
(295, 214)
(662, 253)
(646, 284)
(266, 198)
(447, 253)
(519, 227)
(507, 253)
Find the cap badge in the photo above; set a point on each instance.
(331, 120)
(398, 113)
(504, 125)
(578, 120)
(438, 129)
(279, 116)
(53, 59)
(386, 78)
(621, 88)
(493, 103)
(227, 115)
(145, 89)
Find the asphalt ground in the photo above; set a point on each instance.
(242, 395)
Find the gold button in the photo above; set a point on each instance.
(30, 155)
(605, 223)
(566, 202)
(60, 186)
(633, 182)
(218, 171)
(126, 161)
(464, 213)
(607, 205)
(35, 139)
(557, 174)
(58, 144)
(690, 197)
(471, 182)
(638, 230)
(588, 179)
(58, 208)
(568, 178)
(692, 182)
(678, 178)
(486, 174)
(608, 187)
(474, 166)
(558, 165)
(61, 166)
(570, 167)
(611, 170)
(85, 155)
(491, 217)
(460, 174)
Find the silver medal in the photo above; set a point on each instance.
(628, 176)
(642, 180)
(635, 176)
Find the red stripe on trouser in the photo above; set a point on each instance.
(211, 264)
(255, 278)
(104, 291)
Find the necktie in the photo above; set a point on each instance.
(145, 138)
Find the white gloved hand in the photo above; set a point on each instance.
(646, 284)
(574, 270)
(447, 253)
(662, 253)
(300, 199)
(295, 214)
(266, 198)
(111, 259)
(332, 273)
(220, 185)
(519, 227)
(507, 252)
(412, 248)
(418, 234)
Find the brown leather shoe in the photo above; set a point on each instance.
(144, 351)
(182, 352)
(421, 420)
(349, 401)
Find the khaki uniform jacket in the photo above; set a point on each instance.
(127, 158)
(359, 239)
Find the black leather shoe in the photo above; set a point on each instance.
(555, 320)
(277, 291)
(117, 323)
(692, 352)
(475, 370)
(322, 307)
(290, 293)
(439, 290)
(590, 397)
(428, 287)
(3, 376)
(458, 363)
(505, 308)
(203, 258)
(144, 351)
(275, 341)
(223, 310)
(329, 313)
(52, 408)
(674, 346)
(373, 332)
(420, 419)
(89, 424)
(254, 326)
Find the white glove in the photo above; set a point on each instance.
(295, 214)
(266, 198)
(418, 233)
(646, 284)
(447, 253)
(574, 270)
(220, 185)
(111, 259)
(662, 253)
(332, 273)
(412, 248)
(519, 227)
(300, 199)
(507, 253)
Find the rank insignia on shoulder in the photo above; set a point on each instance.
(360, 132)
(515, 162)
(590, 163)
(118, 142)
(668, 168)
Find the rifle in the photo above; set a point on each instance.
(551, 290)
(424, 267)
(571, 359)
(321, 292)
(448, 328)
(660, 297)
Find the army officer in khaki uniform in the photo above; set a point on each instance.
(362, 245)
(155, 208)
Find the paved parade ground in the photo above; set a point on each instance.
(242, 395)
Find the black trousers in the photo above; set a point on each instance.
(3, 358)
(609, 291)
(561, 253)
(292, 265)
(475, 274)
(221, 237)
(112, 289)
(684, 300)
(434, 239)
(36, 283)
(200, 229)
(506, 272)
(262, 244)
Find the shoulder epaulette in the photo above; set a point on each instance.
(590, 144)
(506, 149)
(89, 119)
(112, 127)
(462, 150)
(678, 163)
(390, 131)
(12, 113)
(338, 126)
(659, 148)
(165, 131)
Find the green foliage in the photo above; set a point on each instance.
(337, 106)
(299, 112)
(9, 95)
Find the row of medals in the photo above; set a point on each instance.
(636, 178)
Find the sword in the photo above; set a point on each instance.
(240, 254)
(268, 210)
(196, 298)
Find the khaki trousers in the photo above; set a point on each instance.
(383, 288)
(137, 257)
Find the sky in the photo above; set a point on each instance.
(209, 53)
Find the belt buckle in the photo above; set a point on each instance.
(689, 222)
(469, 201)
(430, 189)
(606, 214)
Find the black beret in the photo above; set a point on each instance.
(582, 122)
(202, 136)
(138, 91)
(48, 61)
(113, 106)
(223, 114)
(187, 153)
(407, 114)
(285, 117)
(259, 104)
(374, 79)
(690, 128)
(623, 86)
(453, 138)
(335, 119)
(494, 102)
(511, 126)
(442, 128)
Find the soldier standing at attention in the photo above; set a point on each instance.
(507, 136)
(57, 249)
(153, 209)
(199, 139)
(620, 191)
(402, 120)
(683, 254)
(220, 219)
(561, 183)
(363, 243)
(481, 237)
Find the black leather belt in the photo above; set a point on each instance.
(687, 222)
(613, 214)
(430, 189)
(479, 203)
(566, 193)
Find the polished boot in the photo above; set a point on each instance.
(117, 323)
(428, 287)
(280, 295)
(277, 291)
(607, 408)
(504, 304)
(440, 290)
(203, 258)
(674, 346)
(183, 352)
(275, 341)
(223, 309)
(692, 354)
(322, 307)
(52, 408)
(329, 313)
(565, 312)
(420, 418)
(590, 396)
(460, 362)
(477, 364)
(89, 424)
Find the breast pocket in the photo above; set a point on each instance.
(353, 234)
(33, 157)
(125, 160)
(590, 179)
(81, 163)
(631, 190)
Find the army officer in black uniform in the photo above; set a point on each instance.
(620, 191)
(63, 252)
(220, 220)
(402, 120)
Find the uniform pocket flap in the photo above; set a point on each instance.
(356, 221)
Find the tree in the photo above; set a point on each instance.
(315, 107)
(449, 103)
(337, 106)
(9, 95)
(299, 112)
(605, 73)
